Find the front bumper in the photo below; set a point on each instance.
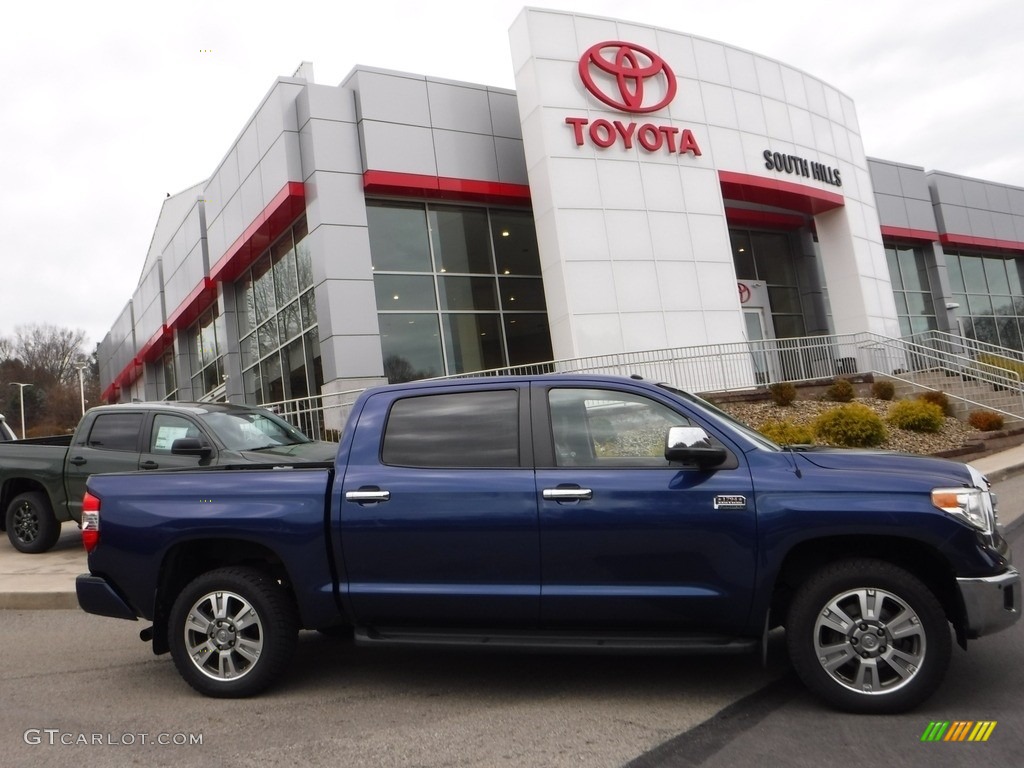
(991, 603)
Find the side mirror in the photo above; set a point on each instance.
(190, 446)
(693, 444)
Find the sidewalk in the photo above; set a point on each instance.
(48, 580)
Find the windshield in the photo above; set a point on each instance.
(756, 437)
(252, 430)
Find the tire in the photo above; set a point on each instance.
(31, 525)
(848, 654)
(232, 632)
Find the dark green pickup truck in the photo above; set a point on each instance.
(42, 480)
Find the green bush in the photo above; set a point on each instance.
(853, 426)
(782, 393)
(841, 391)
(938, 398)
(917, 416)
(786, 432)
(985, 421)
(883, 390)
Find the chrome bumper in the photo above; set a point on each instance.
(991, 603)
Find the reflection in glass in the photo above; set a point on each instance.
(398, 237)
(411, 345)
(473, 342)
(460, 239)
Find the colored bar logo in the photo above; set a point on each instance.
(959, 730)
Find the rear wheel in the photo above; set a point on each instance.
(31, 525)
(868, 636)
(232, 632)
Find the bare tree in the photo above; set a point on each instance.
(49, 350)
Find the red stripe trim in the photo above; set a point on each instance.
(155, 347)
(443, 187)
(272, 221)
(200, 298)
(744, 217)
(903, 233)
(989, 243)
(780, 194)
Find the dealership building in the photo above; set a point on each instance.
(640, 189)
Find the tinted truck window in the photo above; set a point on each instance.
(116, 432)
(465, 429)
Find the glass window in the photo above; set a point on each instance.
(528, 338)
(461, 240)
(467, 293)
(245, 306)
(398, 237)
(743, 255)
(411, 345)
(974, 274)
(995, 273)
(472, 342)
(596, 428)
(303, 259)
(521, 294)
(773, 258)
(458, 318)
(404, 292)
(894, 268)
(465, 429)
(167, 428)
(263, 288)
(116, 432)
(956, 278)
(913, 269)
(286, 279)
(290, 324)
(515, 243)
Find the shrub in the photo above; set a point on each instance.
(782, 393)
(917, 416)
(985, 421)
(841, 391)
(940, 399)
(854, 426)
(883, 390)
(786, 432)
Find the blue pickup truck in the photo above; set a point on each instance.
(564, 513)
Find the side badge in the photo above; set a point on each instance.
(730, 502)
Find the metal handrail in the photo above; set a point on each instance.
(936, 361)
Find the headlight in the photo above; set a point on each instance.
(972, 505)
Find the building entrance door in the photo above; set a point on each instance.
(754, 322)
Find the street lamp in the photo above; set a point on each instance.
(21, 391)
(80, 364)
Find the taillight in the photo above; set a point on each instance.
(90, 521)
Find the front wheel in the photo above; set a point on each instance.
(232, 632)
(868, 636)
(31, 525)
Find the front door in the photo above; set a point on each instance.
(628, 539)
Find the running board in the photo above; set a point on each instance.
(558, 641)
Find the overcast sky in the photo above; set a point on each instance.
(108, 106)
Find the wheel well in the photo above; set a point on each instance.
(913, 556)
(15, 487)
(186, 561)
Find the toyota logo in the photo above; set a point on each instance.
(631, 66)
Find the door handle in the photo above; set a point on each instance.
(367, 495)
(77, 461)
(149, 465)
(568, 494)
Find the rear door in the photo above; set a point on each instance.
(111, 444)
(629, 540)
(439, 518)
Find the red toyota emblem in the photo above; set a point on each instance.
(631, 66)
(744, 292)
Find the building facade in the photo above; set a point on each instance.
(640, 189)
